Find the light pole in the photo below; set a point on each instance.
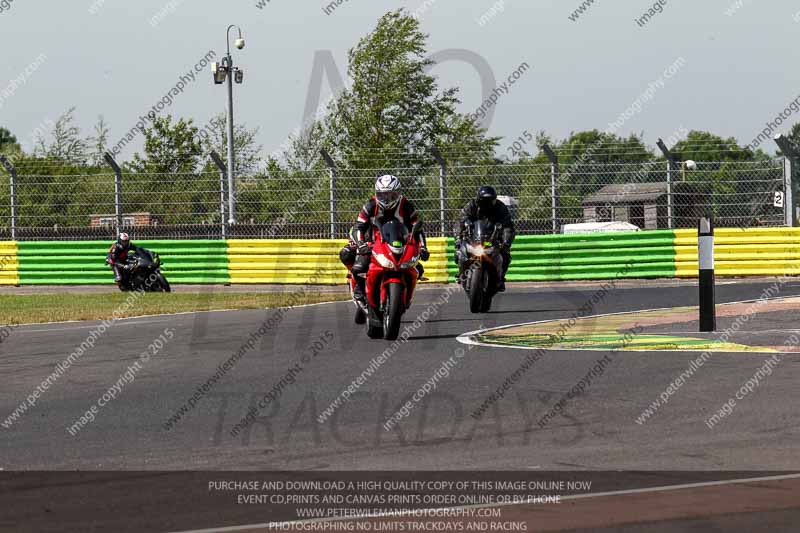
(221, 72)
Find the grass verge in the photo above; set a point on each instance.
(33, 308)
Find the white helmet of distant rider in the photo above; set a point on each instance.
(387, 191)
(124, 240)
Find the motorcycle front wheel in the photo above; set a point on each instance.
(163, 283)
(475, 287)
(392, 311)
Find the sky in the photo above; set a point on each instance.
(732, 63)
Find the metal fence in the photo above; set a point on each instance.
(56, 200)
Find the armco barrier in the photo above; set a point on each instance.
(302, 261)
(9, 264)
(83, 262)
(651, 254)
(742, 252)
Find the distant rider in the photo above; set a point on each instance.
(486, 205)
(385, 205)
(118, 255)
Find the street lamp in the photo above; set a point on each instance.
(221, 72)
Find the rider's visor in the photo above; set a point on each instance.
(387, 198)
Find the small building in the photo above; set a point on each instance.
(128, 220)
(645, 204)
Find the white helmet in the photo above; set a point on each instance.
(387, 191)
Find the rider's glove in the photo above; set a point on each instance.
(424, 254)
(363, 248)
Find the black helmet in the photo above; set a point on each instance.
(487, 197)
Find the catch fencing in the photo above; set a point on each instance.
(56, 200)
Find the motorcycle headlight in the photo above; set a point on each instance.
(476, 249)
(411, 263)
(384, 261)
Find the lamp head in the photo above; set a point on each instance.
(239, 43)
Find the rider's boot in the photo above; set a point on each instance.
(359, 292)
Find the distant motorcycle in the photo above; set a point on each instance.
(392, 278)
(482, 268)
(143, 273)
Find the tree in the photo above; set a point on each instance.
(706, 146)
(214, 136)
(66, 143)
(8, 142)
(169, 148)
(167, 180)
(394, 106)
(303, 153)
(98, 143)
(794, 134)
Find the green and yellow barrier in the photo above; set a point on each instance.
(643, 254)
(303, 261)
(9, 263)
(742, 252)
(83, 262)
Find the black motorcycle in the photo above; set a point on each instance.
(142, 272)
(482, 271)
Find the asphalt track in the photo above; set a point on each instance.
(596, 431)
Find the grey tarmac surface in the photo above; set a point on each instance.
(596, 431)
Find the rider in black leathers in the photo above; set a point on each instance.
(486, 205)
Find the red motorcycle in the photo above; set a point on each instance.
(392, 278)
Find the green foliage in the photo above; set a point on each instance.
(8, 142)
(169, 148)
(394, 106)
(214, 136)
(65, 141)
(706, 146)
(794, 134)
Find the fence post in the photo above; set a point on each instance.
(12, 173)
(671, 165)
(331, 189)
(791, 163)
(222, 175)
(117, 189)
(551, 155)
(442, 189)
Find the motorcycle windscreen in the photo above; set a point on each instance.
(394, 234)
(482, 231)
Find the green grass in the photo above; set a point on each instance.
(33, 308)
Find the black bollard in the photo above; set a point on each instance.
(705, 254)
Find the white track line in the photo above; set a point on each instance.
(664, 488)
(467, 338)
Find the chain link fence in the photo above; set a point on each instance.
(57, 200)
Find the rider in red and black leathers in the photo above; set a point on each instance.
(370, 218)
(118, 255)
